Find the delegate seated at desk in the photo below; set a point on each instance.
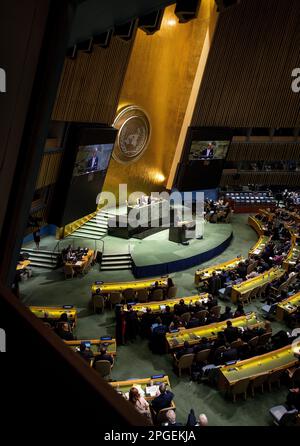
(163, 400)
(103, 356)
(85, 352)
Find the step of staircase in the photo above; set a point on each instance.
(115, 262)
(118, 262)
(114, 268)
(95, 225)
(93, 229)
(41, 258)
(116, 256)
(89, 231)
(90, 237)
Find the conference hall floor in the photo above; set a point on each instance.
(135, 360)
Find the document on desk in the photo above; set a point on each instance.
(152, 390)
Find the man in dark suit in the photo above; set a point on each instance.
(214, 284)
(208, 152)
(230, 354)
(85, 352)
(164, 400)
(193, 322)
(181, 308)
(92, 163)
(186, 350)
(167, 316)
(103, 356)
(231, 333)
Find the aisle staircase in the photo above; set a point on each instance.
(94, 229)
(116, 262)
(41, 258)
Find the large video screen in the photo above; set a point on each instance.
(86, 157)
(93, 158)
(208, 150)
(203, 157)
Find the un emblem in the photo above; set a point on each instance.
(133, 136)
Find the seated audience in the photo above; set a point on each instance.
(230, 354)
(104, 356)
(85, 352)
(167, 316)
(163, 400)
(185, 350)
(131, 323)
(231, 333)
(181, 308)
(227, 314)
(171, 419)
(293, 398)
(204, 344)
(193, 322)
(139, 403)
(64, 332)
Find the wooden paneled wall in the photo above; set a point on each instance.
(247, 80)
(268, 151)
(290, 179)
(90, 85)
(49, 168)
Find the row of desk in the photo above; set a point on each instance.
(95, 344)
(280, 359)
(251, 284)
(202, 275)
(287, 307)
(176, 339)
(159, 307)
(105, 288)
(148, 385)
(54, 313)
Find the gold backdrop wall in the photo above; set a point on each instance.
(159, 79)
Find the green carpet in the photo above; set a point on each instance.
(135, 360)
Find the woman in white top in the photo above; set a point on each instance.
(139, 402)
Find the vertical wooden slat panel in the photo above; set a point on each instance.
(90, 85)
(247, 81)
